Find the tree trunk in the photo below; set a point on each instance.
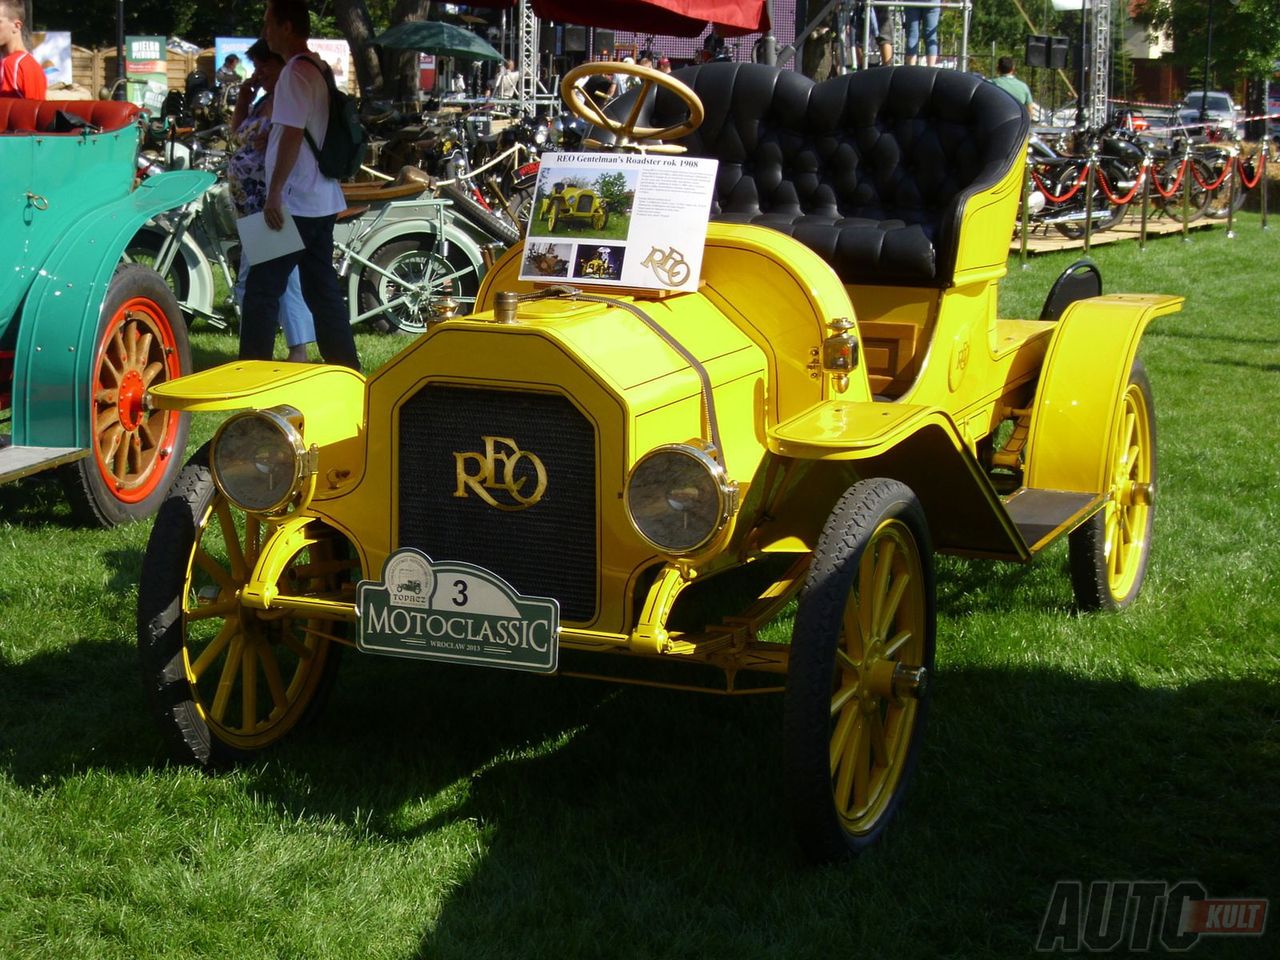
(401, 66)
(353, 20)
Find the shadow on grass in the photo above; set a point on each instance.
(628, 822)
(37, 501)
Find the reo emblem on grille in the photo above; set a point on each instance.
(502, 467)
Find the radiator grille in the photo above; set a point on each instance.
(547, 549)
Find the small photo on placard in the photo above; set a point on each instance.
(598, 262)
(547, 259)
(584, 201)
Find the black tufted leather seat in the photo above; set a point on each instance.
(871, 170)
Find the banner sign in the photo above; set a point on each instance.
(337, 55)
(145, 63)
(222, 46)
(622, 220)
(53, 52)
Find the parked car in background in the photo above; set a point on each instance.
(1215, 109)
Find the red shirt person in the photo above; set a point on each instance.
(20, 72)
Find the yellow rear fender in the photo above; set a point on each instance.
(918, 445)
(330, 399)
(1082, 381)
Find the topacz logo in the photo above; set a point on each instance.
(1136, 915)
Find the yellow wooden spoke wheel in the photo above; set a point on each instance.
(1110, 551)
(228, 680)
(861, 654)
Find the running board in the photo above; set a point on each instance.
(1041, 516)
(19, 462)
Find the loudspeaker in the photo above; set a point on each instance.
(1056, 54)
(1037, 50)
(575, 39)
(602, 41)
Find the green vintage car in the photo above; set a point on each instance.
(83, 337)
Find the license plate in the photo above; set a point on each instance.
(455, 612)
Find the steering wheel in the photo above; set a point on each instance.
(580, 103)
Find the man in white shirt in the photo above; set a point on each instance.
(296, 187)
(507, 84)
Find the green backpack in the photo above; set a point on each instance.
(345, 140)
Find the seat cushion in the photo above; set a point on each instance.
(40, 116)
(871, 169)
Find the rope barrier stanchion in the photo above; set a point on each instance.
(1106, 187)
(1146, 203)
(1025, 222)
(1052, 197)
(1231, 197)
(1186, 194)
(1262, 170)
(1257, 177)
(1089, 175)
(1173, 187)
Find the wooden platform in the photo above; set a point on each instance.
(1051, 241)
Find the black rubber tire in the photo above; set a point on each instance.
(866, 508)
(466, 206)
(137, 494)
(168, 578)
(1217, 201)
(1074, 230)
(404, 252)
(1087, 544)
(1197, 197)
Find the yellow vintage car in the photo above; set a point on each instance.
(579, 482)
(574, 206)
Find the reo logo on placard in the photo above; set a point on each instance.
(503, 467)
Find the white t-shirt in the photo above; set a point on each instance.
(302, 101)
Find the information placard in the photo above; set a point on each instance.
(622, 220)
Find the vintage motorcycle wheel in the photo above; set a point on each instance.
(861, 652)
(135, 453)
(1108, 554)
(1197, 196)
(423, 275)
(225, 681)
(1074, 230)
(467, 207)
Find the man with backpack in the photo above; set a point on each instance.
(297, 187)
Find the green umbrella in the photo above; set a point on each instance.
(443, 39)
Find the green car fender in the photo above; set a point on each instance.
(60, 316)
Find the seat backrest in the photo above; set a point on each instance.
(901, 146)
(40, 116)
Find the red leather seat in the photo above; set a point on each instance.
(37, 116)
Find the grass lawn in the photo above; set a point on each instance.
(439, 813)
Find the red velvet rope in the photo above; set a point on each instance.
(1226, 171)
(1262, 165)
(1121, 201)
(1177, 182)
(1054, 198)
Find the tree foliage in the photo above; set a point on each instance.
(1246, 38)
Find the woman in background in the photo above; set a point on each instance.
(247, 174)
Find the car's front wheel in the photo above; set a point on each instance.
(861, 653)
(226, 680)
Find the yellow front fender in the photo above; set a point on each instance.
(916, 444)
(331, 400)
(1085, 372)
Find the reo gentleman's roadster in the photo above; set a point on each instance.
(81, 337)
(560, 471)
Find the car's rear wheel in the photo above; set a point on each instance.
(1108, 554)
(857, 684)
(226, 681)
(135, 452)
